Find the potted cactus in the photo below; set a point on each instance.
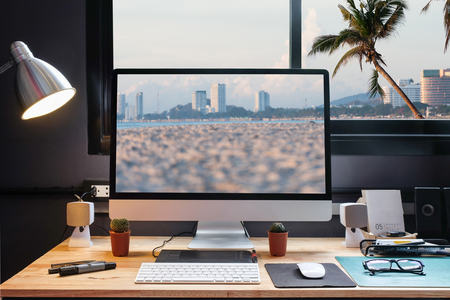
(277, 239)
(120, 236)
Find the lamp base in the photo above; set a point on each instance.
(80, 238)
(353, 236)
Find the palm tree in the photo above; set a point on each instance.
(446, 20)
(373, 20)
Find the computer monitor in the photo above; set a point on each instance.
(220, 146)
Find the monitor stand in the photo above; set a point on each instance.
(220, 235)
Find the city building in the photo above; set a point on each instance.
(139, 105)
(199, 101)
(218, 97)
(436, 87)
(262, 100)
(130, 112)
(411, 89)
(121, 104)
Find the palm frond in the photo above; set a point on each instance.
(356, 52)
(350, 37)
(447, 24)
(374, 86)
(391, 25)
(426, 7)
(323, 44)
(388, 15)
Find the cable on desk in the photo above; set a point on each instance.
(172, 237)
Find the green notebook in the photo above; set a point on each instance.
(436, 269)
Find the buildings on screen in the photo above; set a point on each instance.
(139, 105)
(199, 101)
(130, 112)
(436, 87)
(262, 100)
(121, 104)
(218, 97)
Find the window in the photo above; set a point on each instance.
(201, 33)
(418, 45)
(180, 33)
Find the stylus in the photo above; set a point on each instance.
(85, 268)
(55, 270)
(64, 264)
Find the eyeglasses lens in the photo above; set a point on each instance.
(378, 265)
(409, 265)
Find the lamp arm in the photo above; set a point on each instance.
(6, 66)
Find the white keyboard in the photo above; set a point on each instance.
(242, 273)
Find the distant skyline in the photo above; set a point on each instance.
(286, 91)
(254, 33)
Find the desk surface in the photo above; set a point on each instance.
(34, 281)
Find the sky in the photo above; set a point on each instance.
(286, 91)
(254, 34)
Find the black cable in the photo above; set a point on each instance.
(64, 233)
(101, 228)
(166, 241)
(172, 237)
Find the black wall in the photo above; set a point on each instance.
(51, 151)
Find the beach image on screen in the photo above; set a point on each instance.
(220, 134)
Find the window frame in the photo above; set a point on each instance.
(99, 67)
(348, 137)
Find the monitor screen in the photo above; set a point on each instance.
(220, 137)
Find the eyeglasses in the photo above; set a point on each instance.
(394, 265)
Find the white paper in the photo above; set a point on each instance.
(384, 211)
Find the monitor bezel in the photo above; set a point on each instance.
(220, 196)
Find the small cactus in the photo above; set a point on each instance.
(277, 227)
(120, 225)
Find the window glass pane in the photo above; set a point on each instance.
(417, 46)
(201, 33)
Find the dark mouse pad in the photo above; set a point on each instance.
(289, 276)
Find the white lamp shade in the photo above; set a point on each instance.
(40, 88)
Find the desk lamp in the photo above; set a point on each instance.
(40, 88)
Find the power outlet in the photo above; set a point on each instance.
(100, 190)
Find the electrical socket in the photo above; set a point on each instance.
(100, 190)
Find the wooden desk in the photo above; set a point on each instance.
(34, 281)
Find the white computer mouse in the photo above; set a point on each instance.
(311, 270)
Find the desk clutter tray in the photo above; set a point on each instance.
(432, 247)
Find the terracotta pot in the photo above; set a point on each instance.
(120, 243)
(278, 243)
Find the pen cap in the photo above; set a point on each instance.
(69, 270)
(110, 265)
(80, 213)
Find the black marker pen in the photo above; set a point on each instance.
(85, 268)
